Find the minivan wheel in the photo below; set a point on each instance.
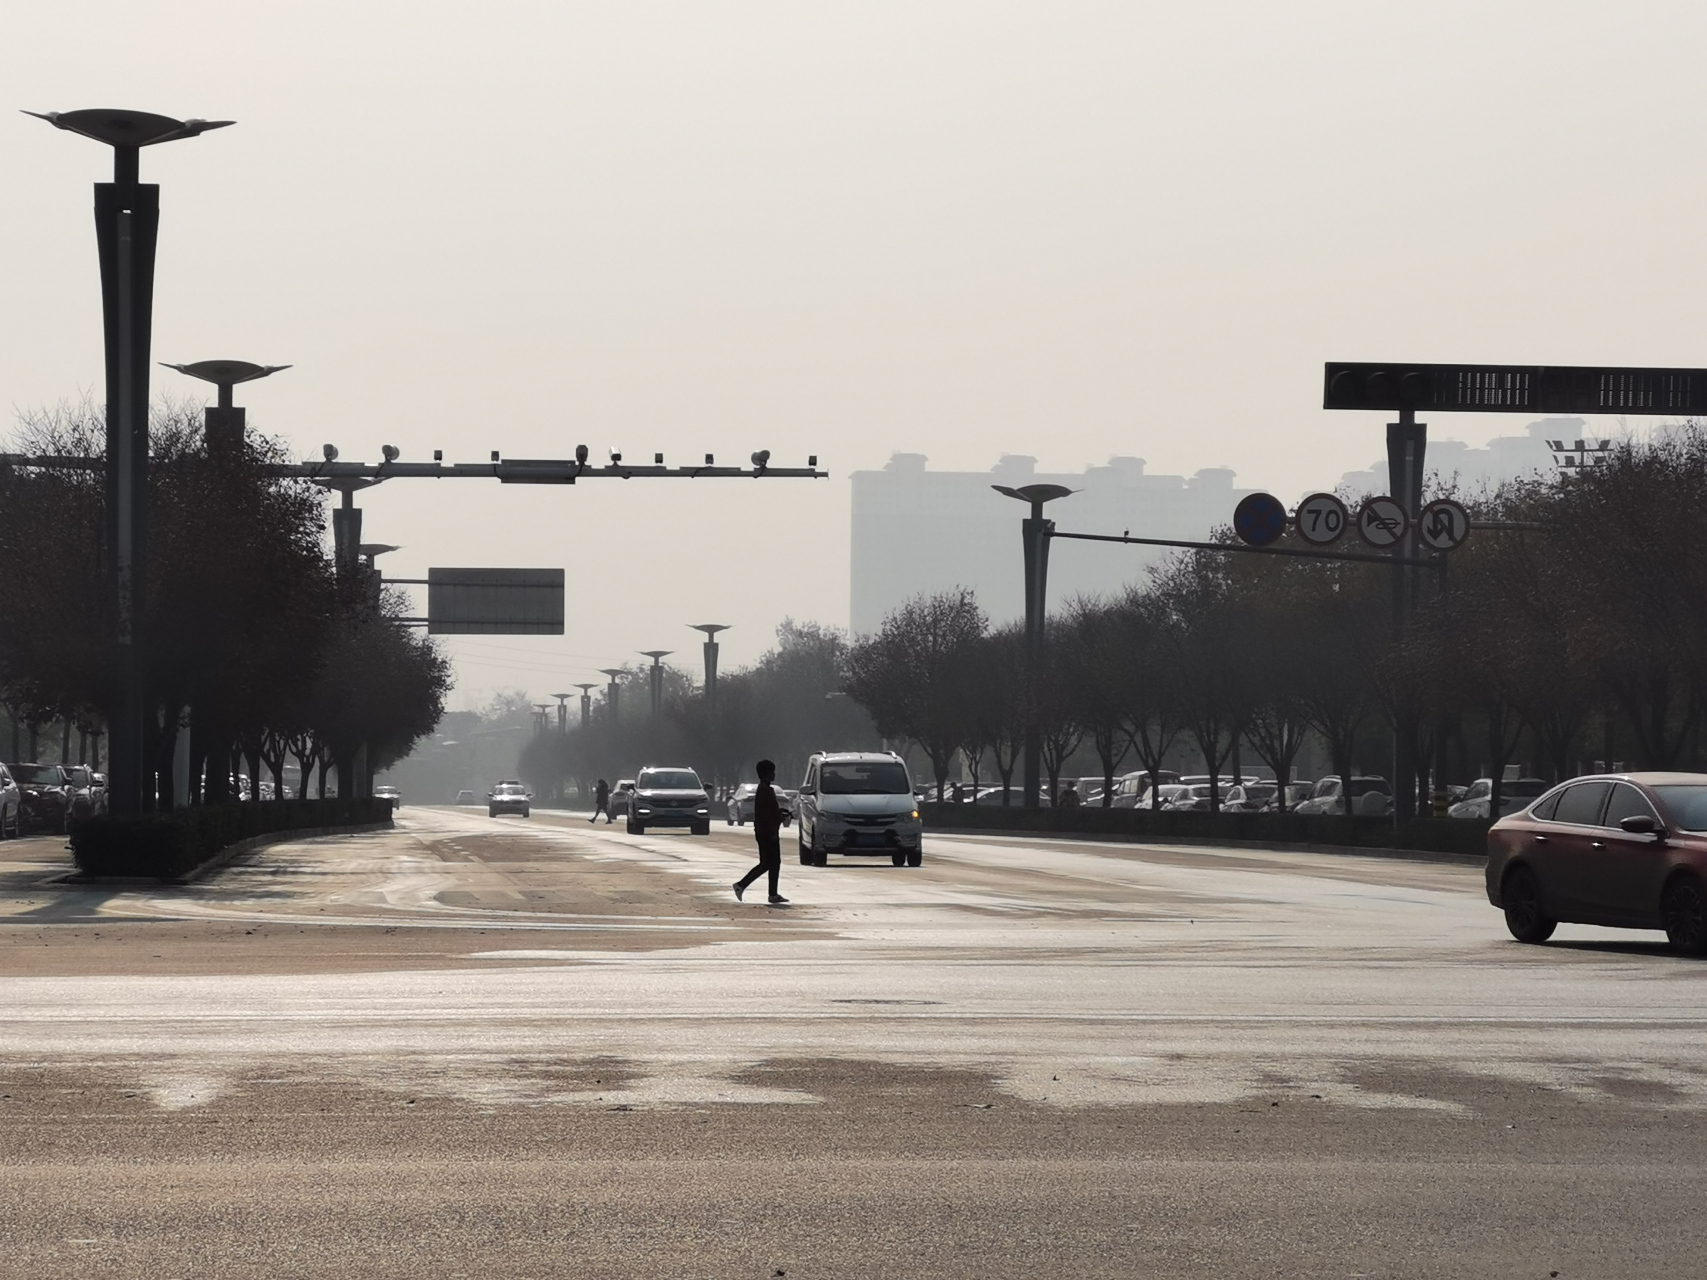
(1521, 894)
(1683, 910)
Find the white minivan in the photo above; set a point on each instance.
(858, 803)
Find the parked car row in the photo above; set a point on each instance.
(48, 797)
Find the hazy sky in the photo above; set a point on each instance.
(962, 229)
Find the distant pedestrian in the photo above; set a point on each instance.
(601, 802)
(767, 830)
(1069, 797)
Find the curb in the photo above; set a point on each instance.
(1277, 846)
(225, 857)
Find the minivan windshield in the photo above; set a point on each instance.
(668, 780)
(864, 778)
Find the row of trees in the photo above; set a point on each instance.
(1582, 635)
(785, 706)
(252, 639)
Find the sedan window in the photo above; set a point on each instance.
(1580, 805)
(1627, 802)
(1687, 804)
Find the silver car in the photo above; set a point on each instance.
(669, 797)
(859, 803)
(1514, 795)
(741, 804)
(11, 807)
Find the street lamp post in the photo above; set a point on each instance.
(1035, 531)
(225, 422)
(711, 629)
(127, 221)
(586, 702)
(563, 711)
(657, 656)
(612, 691)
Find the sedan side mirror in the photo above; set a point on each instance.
(1642, 824)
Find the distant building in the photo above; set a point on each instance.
(1504, 458)
(917, 531)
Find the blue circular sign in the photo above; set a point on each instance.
(1259, 519)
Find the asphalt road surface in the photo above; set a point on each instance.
(535, 1048)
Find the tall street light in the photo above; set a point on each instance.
(586, 702)
(1035, 531)
(711, 629)
(613, 690)
(225, 421)
(563, 711)
(657, 656)
(127, 222)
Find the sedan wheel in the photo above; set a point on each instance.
(1523, 916)
(1683, 910)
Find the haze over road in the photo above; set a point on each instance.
(1100, 1012)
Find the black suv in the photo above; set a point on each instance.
(47, 797)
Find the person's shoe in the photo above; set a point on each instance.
(778, 900)
(739, 890)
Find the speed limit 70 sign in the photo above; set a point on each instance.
(1321, 519)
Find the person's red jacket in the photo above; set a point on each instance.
(767, 813)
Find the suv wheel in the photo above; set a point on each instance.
(702, 828)
(898, 859)
(1521, 894)
(915, 857)
(634, 828)
(1683, 909)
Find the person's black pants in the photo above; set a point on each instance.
(770, 860)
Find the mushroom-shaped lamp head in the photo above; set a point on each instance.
(127, 128)
(1035, 494)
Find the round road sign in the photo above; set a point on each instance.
(1322, 519)
(1381, 522)
(1259, 519)
(1443, 525)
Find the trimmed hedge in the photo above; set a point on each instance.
(1459, 836)
(170, 845)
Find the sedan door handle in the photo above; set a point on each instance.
(1596, 844)
(1540, 839)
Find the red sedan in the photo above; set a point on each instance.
(1628, 850)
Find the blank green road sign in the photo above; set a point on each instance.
(495, 602)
